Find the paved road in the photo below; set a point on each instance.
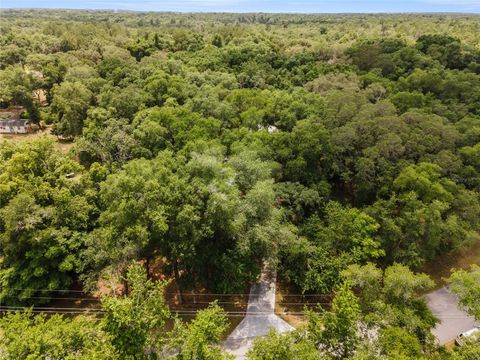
(260, 317)
(453, 320)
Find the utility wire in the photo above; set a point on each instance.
(100, 311)
(177, 293)
(167, 301)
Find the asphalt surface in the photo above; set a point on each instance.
(453, 320)
(260, 317)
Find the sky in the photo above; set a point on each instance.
(299, 6)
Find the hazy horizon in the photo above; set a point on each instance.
(268, 6)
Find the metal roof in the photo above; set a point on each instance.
(12, 122)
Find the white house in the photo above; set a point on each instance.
(19, 126)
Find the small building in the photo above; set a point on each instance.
(11, 126)
(270, 128)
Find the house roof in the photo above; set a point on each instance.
(13, 122)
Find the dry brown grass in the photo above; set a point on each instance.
(440, 267)
(63, 146)
(450, 345)
(290, 305)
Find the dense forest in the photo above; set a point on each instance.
(342, 150)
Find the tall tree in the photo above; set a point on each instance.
(336, 332)
(71, 101)
(29, 336)
(199, 338)
(135, 320)
(466, 285)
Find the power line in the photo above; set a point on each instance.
(53, 298)
(99, 311)
(249, 295)
(84, 309)
(192, 310)
(167, 301)
(47, 290)
(50, 308)
(178, 312)
(178, 293)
